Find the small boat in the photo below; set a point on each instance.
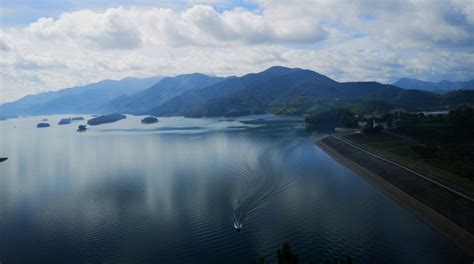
(81, 128)
(3, 159)
(237, 225)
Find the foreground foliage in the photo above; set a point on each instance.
(286, 255)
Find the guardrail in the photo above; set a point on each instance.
(425, 177)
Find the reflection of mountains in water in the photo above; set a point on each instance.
(262, 179)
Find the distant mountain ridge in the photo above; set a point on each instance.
(278, 90)
(437, 87)
(81, 99)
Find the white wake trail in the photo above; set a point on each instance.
(261, 180)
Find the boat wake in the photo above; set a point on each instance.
(262, 179)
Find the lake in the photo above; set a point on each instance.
(174, 191)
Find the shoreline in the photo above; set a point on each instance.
(461, 237)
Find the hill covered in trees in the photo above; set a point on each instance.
(286, 91)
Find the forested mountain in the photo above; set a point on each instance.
(161, 92)
(240, 95)
(280, 90)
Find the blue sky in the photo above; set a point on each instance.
(49, 45)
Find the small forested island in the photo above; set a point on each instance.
(79, 118)
(3, 159)
(149, 120)
(110, 118)
(42, 124)
(64, 121)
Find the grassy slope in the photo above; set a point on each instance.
(398, 148)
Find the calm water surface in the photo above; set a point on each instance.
(171, 192)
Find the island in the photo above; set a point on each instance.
(81, 128)
(149, 120)
(64, 121)
(110, 118)
(3, 159)
(42, 124)
(79, 118)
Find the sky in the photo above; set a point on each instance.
(48, 45)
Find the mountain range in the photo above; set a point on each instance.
(77, 100)
(436, 87)
(154, 96)
(281, 90)
(277, 90)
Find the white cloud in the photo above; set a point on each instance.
(346, 40)
(109, 30)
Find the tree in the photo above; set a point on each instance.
(285, 255)
(370, 129)
(328, 120)
(260, 260)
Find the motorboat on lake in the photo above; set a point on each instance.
(82, 128)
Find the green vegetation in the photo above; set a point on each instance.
(64, 121)
(285, 255)
(241, 104)
(284, 91)
(456, 127)
(323, 116)
(105, 119)
(42, 125)
(149, 120)
(296, 105)
(370, 129)
(369, 107)
(440, 145)
(330, 119)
